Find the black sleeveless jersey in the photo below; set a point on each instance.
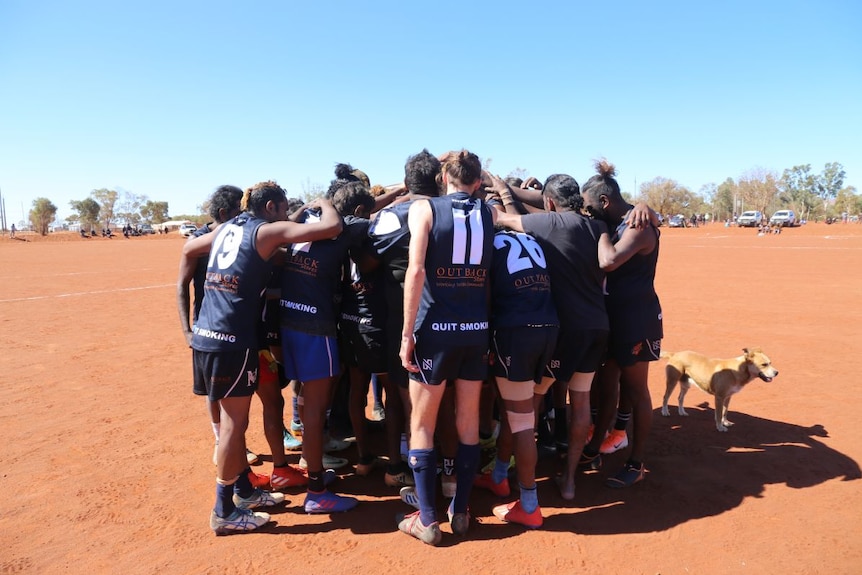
(633, 305)
(571, 244)
(235, 278)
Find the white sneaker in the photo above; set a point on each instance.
(251, 457)
(333, 444)
(240, 521)
(329, 462)
(259, 498)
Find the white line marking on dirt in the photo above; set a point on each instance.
(38, 297)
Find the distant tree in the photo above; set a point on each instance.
(42, 214)
(518, 173)
(798, 190)
(668, 197)
(129, 207)
(107, 200)
(829, 183)
(758, 188)
(846, 201)
(88, 212)
(724, 201)
(312, 190)
(155, 212)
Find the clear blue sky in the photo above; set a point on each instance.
(171, 99)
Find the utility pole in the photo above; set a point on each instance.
(2, 212)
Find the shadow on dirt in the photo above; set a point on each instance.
(696, 471)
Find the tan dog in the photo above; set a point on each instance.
(719, 377)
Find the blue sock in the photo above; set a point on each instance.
(243, 486)
(466, 463)
(423, 462)
(529, 498)
(500, 472)
(224, 505)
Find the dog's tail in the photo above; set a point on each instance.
(665, 354)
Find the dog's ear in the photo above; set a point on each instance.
(745, 351)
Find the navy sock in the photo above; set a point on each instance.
(243, 486)
(423, 462)
(224, 504)
(315, 481)
(466, 464)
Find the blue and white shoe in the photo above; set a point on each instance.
(259, 498)
(240, 521)
(291, 442)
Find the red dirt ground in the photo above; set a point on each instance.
(107, 469)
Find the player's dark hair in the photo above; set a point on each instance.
(603, 183)
(351, 196)
(420, 174)
(344, 174)
(564, 190)
(225, 198)
(256, 197)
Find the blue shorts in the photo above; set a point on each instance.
(309, 357)
(521, 353)
(223, 374)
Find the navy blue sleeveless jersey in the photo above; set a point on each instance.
(363, 299)
(455, 298)
(633, 305)
(236, 277)
(520, 283)
(200, 275)
(390, 236)
(311, 278)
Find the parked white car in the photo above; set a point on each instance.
(783, 218)
(187, 229)
(750, 219)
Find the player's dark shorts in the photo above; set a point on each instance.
(224, 374)
(578, 351)
(309, 357)
(362, 347)
(441, 358)
(628, 354)
(522, 353)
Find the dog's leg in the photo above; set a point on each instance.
(724, 421)
(684, 384)
(673, 375)
(719, 412)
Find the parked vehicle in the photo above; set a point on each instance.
(750, 219)
(146, 229)
(677, 221)
(187, 229)
(783, 218)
